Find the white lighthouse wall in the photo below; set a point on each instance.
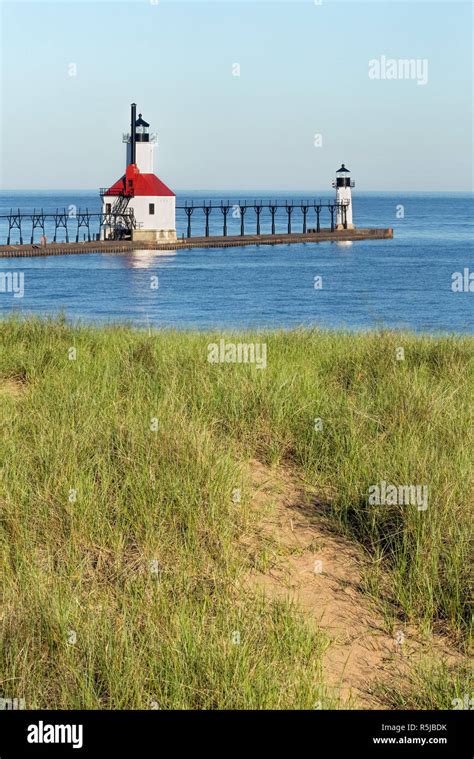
(161, 224)
(344, 194)
(143, 156)
(164, 216)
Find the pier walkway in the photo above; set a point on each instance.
(231, 241)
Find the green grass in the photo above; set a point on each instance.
(83, 562)
(431, 686)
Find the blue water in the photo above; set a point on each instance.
(399, 283)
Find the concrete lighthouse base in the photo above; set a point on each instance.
(154, 235)
(341, 226)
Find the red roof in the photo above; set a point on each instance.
(143, 184)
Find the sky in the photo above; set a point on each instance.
(244, 95)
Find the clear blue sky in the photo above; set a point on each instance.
(304, 71)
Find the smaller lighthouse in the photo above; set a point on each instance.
(139, 194)
(343, 184)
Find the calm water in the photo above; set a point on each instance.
(404, 282)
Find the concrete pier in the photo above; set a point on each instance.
(123, 246)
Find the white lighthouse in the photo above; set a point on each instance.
(139, 190)
(343, 184)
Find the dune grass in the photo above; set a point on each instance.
(121, 558)
(433, 685)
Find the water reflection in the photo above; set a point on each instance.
(147, 259)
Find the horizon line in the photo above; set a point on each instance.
(238, 190)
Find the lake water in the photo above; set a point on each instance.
(400, 283)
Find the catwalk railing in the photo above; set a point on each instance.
(238, 211)
(69, 225)
(242, 218)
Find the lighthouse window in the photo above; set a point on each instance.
(151, 209)
(108, 207)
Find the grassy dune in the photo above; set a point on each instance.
(121, 560)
